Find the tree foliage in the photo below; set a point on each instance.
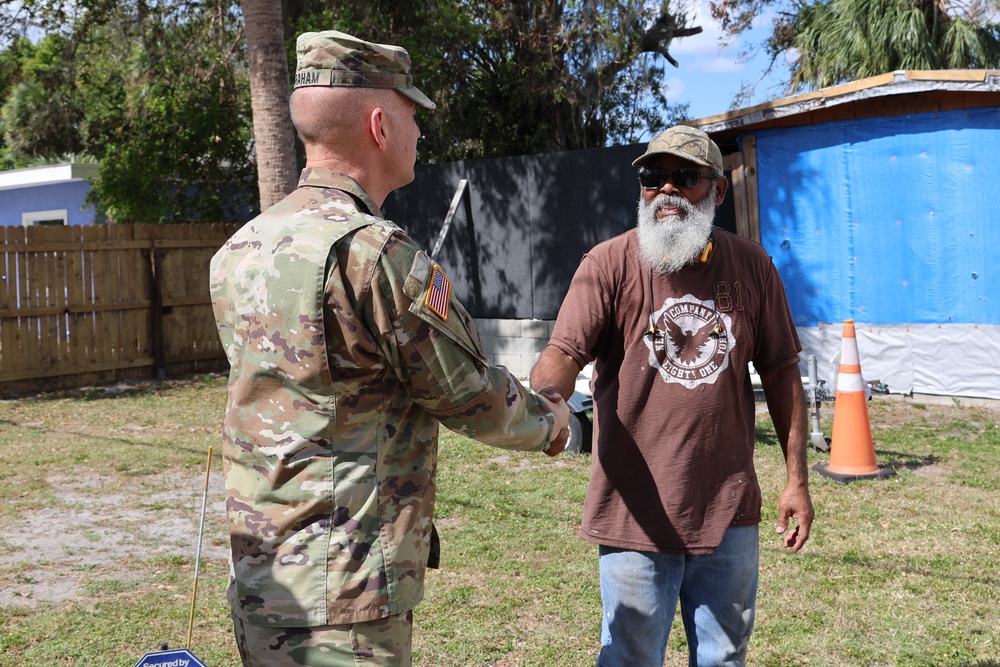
(527, 76)
(157, 91)
(828, 42)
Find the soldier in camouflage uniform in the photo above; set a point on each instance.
(348, 349)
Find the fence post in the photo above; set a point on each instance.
(156, 314)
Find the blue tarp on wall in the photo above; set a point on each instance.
(885, 220)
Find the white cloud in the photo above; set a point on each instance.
(675, 89)
(721, 65)
(711, 71)
(706, 51)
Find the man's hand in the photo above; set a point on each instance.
(795, 503)
(553, 376)
(560, 431)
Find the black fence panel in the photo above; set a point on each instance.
(533, 217)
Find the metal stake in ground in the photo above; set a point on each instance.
(165, 657)
(197, 557)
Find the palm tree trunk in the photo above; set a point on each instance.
(274, 137)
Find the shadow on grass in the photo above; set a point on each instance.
(903, 461)
(885, 567)
(73, 435)
(765, 436)
(124, 388)
(898, 460)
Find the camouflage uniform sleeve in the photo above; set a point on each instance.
(432, 344)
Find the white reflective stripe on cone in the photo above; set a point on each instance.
(850, 382)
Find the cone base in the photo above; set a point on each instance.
(844, 478)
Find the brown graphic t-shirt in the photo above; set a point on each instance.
(674, 407)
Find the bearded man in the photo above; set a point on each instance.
(671, 313)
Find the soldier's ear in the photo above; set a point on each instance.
(375, 121)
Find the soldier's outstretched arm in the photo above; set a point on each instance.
(434, 347)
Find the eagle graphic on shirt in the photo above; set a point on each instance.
(684, 349)
(688, 345)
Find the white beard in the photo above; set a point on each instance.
(671, 243)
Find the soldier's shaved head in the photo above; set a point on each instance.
(332, 116)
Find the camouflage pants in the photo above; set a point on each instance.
(381, 643)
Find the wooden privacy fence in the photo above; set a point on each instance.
(96, 304)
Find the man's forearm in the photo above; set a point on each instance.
(555, 370)
(786, 403)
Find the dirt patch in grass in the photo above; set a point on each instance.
(106, 528)
(937, 472)
(893, 410)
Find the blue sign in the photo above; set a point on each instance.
(176, 658)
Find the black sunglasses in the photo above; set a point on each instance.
(685, 177)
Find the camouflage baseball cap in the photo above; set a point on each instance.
(684, 142)
(332, 58)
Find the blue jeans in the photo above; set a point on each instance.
(717, 592)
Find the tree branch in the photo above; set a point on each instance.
(664, 30)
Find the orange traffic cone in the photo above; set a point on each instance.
(852, 453)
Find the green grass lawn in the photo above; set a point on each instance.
(102, 493)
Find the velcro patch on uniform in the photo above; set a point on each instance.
(438, 293)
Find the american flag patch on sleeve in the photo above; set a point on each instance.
(439, 293)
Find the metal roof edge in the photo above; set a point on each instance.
(890, 83)
(47, 175)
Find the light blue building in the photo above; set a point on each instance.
(876, 201)
(50, 195)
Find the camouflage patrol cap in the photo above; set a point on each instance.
(332, 58)
(685, 142)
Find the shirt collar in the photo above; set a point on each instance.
(319, 177)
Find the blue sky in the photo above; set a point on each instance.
(710, 75)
